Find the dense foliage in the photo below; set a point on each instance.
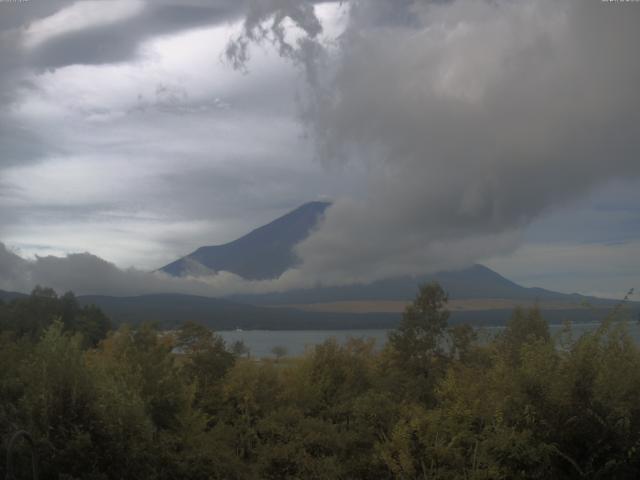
(434, 403)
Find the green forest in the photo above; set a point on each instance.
(433, 403)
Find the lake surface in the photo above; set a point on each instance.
(262, 342)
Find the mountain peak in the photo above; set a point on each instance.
(264, 253)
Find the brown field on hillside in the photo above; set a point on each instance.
(398, 306)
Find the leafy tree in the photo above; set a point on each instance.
(240, 349)
(92, 324)
(56, 406)
(419, 338)
(279, 351)
(205, 362)
(524, 326)
(417, 352)
(30, 317)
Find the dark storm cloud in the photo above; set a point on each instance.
(474, 118)
(119, 42)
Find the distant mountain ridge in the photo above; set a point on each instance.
(263, 253)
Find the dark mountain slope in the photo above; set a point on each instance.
(264, 253)
(477, 281)
(8, 296)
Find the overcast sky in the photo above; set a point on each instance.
(446, 133)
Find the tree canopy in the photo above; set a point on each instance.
(435, 402)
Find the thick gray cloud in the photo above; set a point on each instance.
(475, 118)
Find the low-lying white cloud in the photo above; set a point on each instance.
(84, 273)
